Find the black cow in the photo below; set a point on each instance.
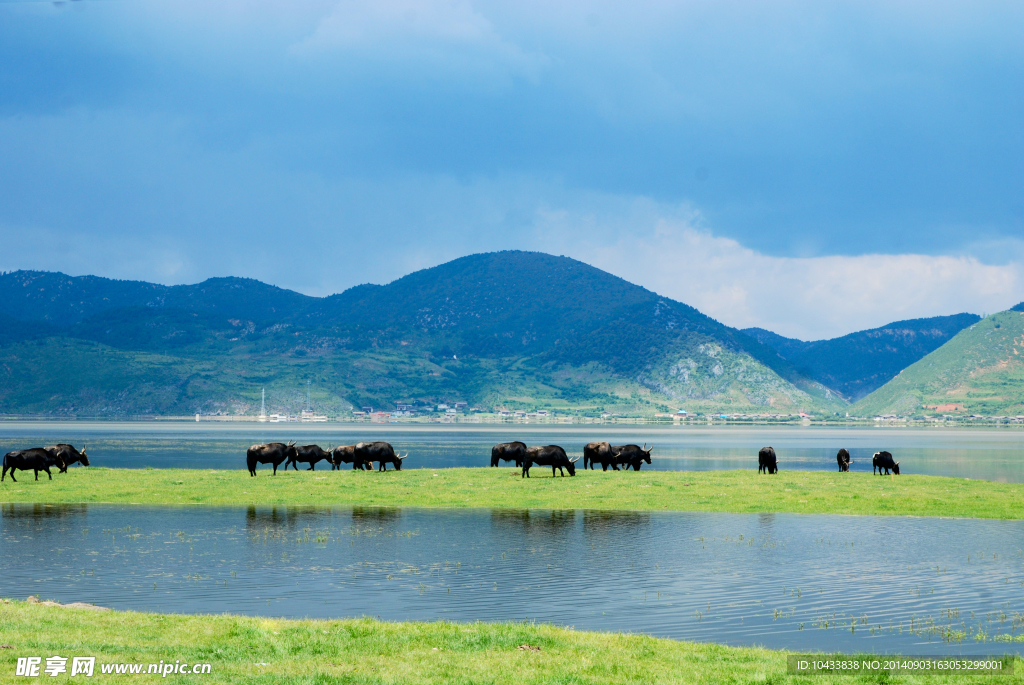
(843, 458)
(632, 455)
(68, 455)
(599, 453)
(381, 452)
(308, 454)
(551, 455)
(766, 461)
(883, 460)
(35, 459)
(346, 454)
(508, 451)
(272, 453)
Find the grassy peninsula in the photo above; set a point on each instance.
(805, 492)
(261, 650)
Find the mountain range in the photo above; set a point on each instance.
(512, 330)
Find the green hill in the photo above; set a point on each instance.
(512, 330)
(861, 362)
(979, 371)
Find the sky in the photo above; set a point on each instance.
(813, 168)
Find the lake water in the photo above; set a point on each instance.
(988, 454)
(916, 586)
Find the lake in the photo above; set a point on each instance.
(985, 453)
(883, 584)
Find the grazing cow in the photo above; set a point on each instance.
(766, 461)
(35, 459)
(308, 454)
(632, 455)
(599, 453)
(381, 452)
(551, 455)
(883, 460)
(272, 453)
(346, 454)
(508, 451)
(68, 455)
(843, 458)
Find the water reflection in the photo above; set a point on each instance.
(43, 512)
(533, 521)
(375, 515)
(782, 580)
(597, 523)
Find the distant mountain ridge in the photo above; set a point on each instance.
(63, 300)
(498, 329)
(861, 362)
(979, 371)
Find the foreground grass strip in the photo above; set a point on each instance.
(805, 492)
(260, 650)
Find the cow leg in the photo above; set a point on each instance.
(47, 469)
(12, 475)
(37, 473)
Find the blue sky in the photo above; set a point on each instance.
(813, 168)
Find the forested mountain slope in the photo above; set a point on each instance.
(861, 362)
(979, 371)
(509, 329)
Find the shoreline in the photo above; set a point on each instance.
(742, 492)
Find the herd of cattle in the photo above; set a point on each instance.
(362, 456)
(39, 459)
(881, 462)
(594, 453)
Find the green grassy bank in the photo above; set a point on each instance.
(258, 650)
(805, 492)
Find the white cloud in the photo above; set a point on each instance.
(448, 33)
(803, 297)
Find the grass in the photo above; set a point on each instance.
(804, 492)
(262, 650)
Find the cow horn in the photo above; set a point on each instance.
(644, 448)
(401, 457)
(573, 461)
